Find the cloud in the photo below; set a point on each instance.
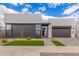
(12, 11)
(43, 8)
(75, 15)
(72, 12)
(3, 10)
(45, 17)
(53, 5)
(24, 10)
(71, 9)
(15, 4)
(1, 16)
(28, 6)
(37, 12)
(21, 3)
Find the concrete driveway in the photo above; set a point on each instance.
(69, 41)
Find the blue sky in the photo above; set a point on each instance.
(48, 9)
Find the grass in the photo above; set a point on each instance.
(25, 43)
(58, 43)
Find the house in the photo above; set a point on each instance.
(2, 32)
(32, 25)
(77, 29)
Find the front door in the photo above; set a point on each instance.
(44, 31)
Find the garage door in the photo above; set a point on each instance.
(61, 31)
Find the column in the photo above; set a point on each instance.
(72, 32)
(50, 31)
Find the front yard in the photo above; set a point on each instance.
(57, 42)
(29, 42)
(25, 43)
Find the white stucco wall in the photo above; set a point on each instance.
(36, 18)
(64, 22)
(77, 29)
(20, 18)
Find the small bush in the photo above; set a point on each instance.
(4, 41)
(29, 38)
(3, 36)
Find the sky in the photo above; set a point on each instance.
(47, 10)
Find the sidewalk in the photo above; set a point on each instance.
(37, 50)
(48, 42)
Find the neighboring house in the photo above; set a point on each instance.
(2, 32)
(32, 25)
(77, 29)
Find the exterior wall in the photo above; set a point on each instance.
(64, 22)
(36, 18)
(23, 30)
(20, 18)
(2, 33)
(77, 29)
(50, 31)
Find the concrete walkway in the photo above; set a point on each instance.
(66, 41)
(70, 41)
(48, 42)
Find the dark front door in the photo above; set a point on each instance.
(44, 31)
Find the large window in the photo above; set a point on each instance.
(8, 27)
(38, 30)
(8, 30)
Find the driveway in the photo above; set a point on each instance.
(69, 41)
(66, 41)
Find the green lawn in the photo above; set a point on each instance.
(58, 43)
(25, 43)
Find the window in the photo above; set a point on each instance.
(8, 30)
(38, 30)
(38, 27)
(8, 27)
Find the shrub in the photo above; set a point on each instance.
(4, 41)
(3, 36)
(29, 38)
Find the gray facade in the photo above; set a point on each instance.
(24, 30)
(32, 25)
